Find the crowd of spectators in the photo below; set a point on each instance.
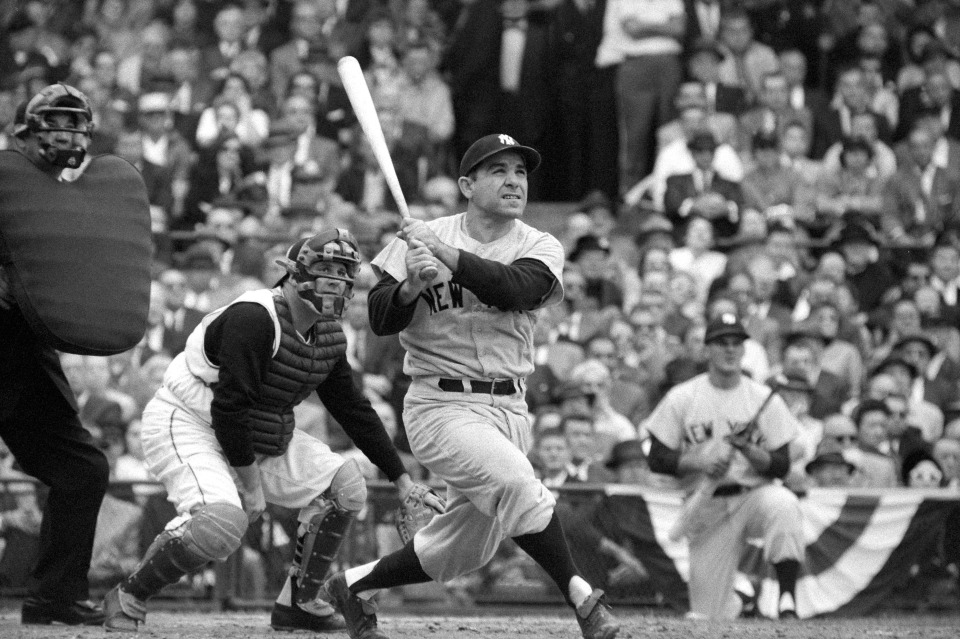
(795, 162)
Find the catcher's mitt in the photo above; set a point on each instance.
(414, 512)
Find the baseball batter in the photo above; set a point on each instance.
(220, 435)
(469, 340)
(700, 428)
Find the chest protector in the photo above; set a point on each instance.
(294, 372)
(77, 254)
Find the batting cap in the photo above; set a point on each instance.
(493, 144)
(726, 324)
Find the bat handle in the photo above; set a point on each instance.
(427, 273)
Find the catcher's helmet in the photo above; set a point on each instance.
(301, 260)
(52, 100)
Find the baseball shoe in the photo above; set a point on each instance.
(787, 609)
(293, 617)
(359, 614)
(595, 619)
(748, 604)
(40, 611)
(123, 611)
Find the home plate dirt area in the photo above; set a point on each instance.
(536, 623)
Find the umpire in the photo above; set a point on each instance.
(38, 411)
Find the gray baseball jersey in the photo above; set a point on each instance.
(456, 335)
(697, 414)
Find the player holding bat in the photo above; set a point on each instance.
(469, 340)
(703, 428)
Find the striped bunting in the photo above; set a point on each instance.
(860, 544)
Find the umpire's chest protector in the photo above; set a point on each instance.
(78, 253)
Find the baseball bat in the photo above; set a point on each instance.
(360, 99)
(705, 489)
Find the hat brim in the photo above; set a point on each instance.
(726, 331)
(817, 462)
(917, 338)
(531, 158)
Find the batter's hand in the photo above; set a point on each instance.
(717, 468)
(414, 229)
(740, 440)
(418, 258)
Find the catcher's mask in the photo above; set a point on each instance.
(38, 118)
(302, 261)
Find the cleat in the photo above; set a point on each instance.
(360, 615)
(123, 611)
(787, 609)
(595, 619)
(43, 612)
(293, 618)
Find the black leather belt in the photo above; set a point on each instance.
(730, 490)
(496, 387)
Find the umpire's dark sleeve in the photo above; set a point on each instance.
(350, 407)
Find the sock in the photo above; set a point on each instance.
(549, 549)
(787, 571)
(396, 569)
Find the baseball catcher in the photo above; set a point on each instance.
(220, 435)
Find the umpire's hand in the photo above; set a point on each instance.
(6, 292)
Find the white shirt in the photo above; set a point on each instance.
(675, 159)
(155, 152)
(616, 45)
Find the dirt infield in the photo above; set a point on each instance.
(532, 625)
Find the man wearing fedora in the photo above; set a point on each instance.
(726, 427)
(829, 468)
(933, 382)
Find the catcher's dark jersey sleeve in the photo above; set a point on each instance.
(240, 342)
(348, 405)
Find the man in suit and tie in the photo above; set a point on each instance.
(772, 113)
(801, 355)
(702, 192)
(746, 61)
(179, 320)
(934, 384)
(833, 124)
(703, 22)
(191, 93)
(945, 272)
(230, 27)
(921, 198)
(703, 65)
(946, 150)
(311, 24)
(793, 66)
(937, 94)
